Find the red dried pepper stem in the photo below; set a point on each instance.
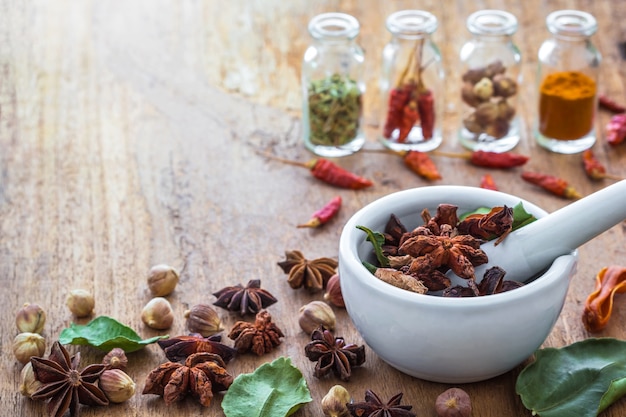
(555, 185)
(328, 172)
(488, 182)
(485, 159)
(324, 214)
(616, 130)
(609, 104)
(594, 168)
(610, 280)
(421, 164)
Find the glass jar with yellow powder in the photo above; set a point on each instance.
(568, 83)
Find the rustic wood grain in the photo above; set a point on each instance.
(128, 137)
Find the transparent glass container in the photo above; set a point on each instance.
(333, 87)
(568, 78)
(411, 84)
(491, 78)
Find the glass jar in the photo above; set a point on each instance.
(491, 67)
(568, 78)
(411, 84)
(332, 86)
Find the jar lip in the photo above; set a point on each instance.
(492, 22)
(574, 23)
(411, 24)
(334, 26)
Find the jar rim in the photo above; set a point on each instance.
(411, 24)
(492, 22)
(334, 26)
(574, 23)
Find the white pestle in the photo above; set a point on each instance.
(531, 249)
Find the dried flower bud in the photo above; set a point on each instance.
(162, 280)
(495, 68)
(27, 345)
(498, 128)
(117, 385)
(333, 293)
(486, 113)
(472, 125)
(453, 402)
(314, 314)
(158, 314)
(80, 302)
(203, 319)
(483, 89)
(30, 318)
(334, 402)
(115, 359)
(505, 110)
(29, 384)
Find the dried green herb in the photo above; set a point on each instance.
(335, 108)
(579, 380)
(105, 334)
(274, 389)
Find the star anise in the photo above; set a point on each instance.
(497, 223)
(493, 282)
(179, 348)
(457, 252)
(312, 274)
(374, 407)
(259, 337)
(64, 385)
(249, 299)
(202, 375)
(333, 354)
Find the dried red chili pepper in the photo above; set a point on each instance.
(410, 116)
(422, 165)
(609, 104)
(610, 280)
(594, 168)
(324, 214)
(328, 172)
(485, 159)
(488, 182)
(426, 109)
(555, 185)
(616, 129)
(398, 98)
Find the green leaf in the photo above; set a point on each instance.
(370, 267)
(105, 334)
(273, 390)
(579, 380)
(521, 217)
(378, 240)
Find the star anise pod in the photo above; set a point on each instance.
(312, 274)
(459, 253)
(179, 348)
(493, 282)
(259, 337)
(249, 299)
(333, 354)
(497, 223)
(374, 407)
(202, 375)
(64, 385)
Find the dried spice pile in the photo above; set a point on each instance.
(417, 260)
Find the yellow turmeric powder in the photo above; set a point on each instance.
(566, 105)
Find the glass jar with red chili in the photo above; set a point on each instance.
(491, 75)
(412, 83)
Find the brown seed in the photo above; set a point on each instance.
(117, 385)
(203, 319)
(314, 314)
(26, 345)
(80, 302)
(158, 314)
(162, 280)
(30, 318)
(453, 402)
(115, 359)
(333, 293)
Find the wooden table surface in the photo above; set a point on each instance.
(128, 132)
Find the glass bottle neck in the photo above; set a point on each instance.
(411, 24)
(339, 28)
